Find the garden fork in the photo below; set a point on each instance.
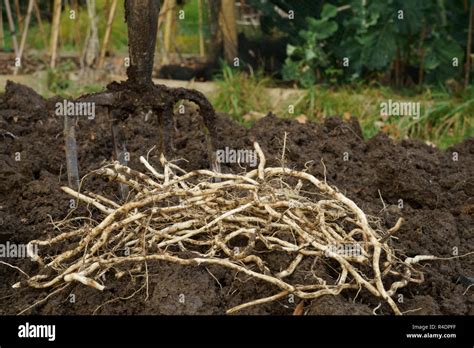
(139, 91)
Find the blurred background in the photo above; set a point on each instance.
(301, 59)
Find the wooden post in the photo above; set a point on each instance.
(11, 24)
(55, 32)
(215, 41)
(108, 30)
(229, 29)
(2, 34)
(202, 53)
(468, 48)
(24, 34)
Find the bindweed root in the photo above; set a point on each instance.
(205, 217)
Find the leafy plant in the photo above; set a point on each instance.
(58, 79)
(304, 62)
(397, 41)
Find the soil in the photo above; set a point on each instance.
(436, 191)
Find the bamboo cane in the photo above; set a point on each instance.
(108, 31)
(24, 34)
(11, 24)
(55, 32)
(170, 6)
(202, 53)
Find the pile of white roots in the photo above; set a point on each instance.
(206, 218)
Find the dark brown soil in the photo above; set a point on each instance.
(437, 194)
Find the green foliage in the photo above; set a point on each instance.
(58, 79)
(272, 22)
(409, 33)
(398, 39)
(304, 61)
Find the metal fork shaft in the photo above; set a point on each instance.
(142, 21)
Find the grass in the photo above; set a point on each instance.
(445, 118)
(240, 93)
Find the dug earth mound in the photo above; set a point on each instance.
(432, 190)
